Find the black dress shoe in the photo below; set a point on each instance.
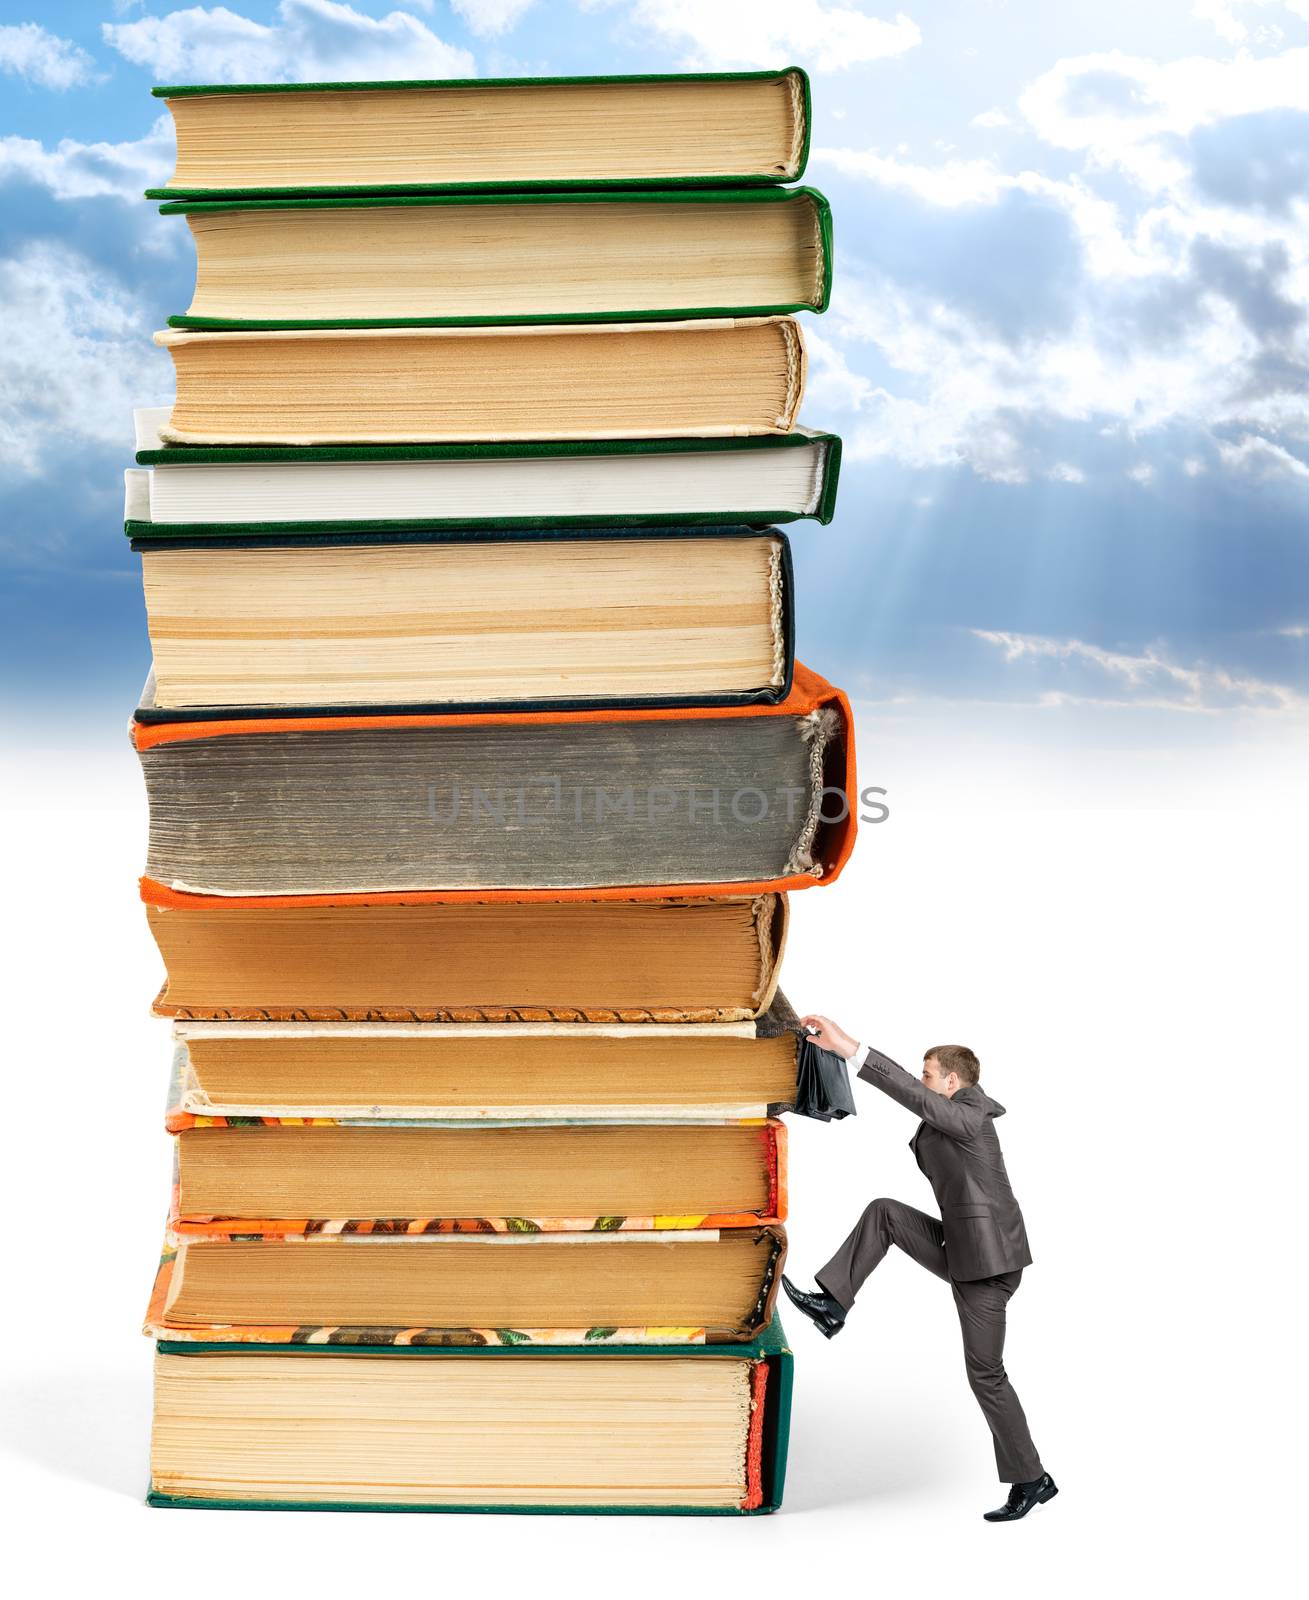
(826, 1313)
(1022, 1497)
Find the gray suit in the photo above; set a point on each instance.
(979, 1246)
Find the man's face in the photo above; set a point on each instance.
(937, 1081)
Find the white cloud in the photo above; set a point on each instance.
(311, 41)
(1256, 454)
(74, 357)
(1223, 14)
(1066, 472)
(961, 394)
(953, 419)
(1123, 111)
(28, 51)
(1079, 673)
(1143, 473)
(952, 183)
(959, 184)
(772, 33)
(1187, 294)
(489, 17)
(830, 385)
(77, 171)
(995, 118)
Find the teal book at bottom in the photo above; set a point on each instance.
(661, 1430)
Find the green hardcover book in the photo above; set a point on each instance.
(236, 491)
(458, 260)
(671, 1430)
(425, 137)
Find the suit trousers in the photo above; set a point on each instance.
(980, 1303)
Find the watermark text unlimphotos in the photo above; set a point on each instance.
(545, 797)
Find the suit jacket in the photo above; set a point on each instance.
(958, 1152)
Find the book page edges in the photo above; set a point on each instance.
(183, 1031)
(181, 436)
(171, 338)
(809, 692)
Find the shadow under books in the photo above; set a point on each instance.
(91, 1427)
(890, 1457)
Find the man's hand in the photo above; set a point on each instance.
(829, 1037)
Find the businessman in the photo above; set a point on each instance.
(979, 1246)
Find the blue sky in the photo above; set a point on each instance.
(1067, 348)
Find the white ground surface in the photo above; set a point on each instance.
(1122, 939)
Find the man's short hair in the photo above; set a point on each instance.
(956, 1058)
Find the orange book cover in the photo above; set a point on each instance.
(163, 1322)
(811, 696)
(773, 1155)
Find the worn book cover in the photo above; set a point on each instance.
(547, 960)
(549, 805)
(758, 1444)
(487, 1072)
(233, 1155)
(399, 1286)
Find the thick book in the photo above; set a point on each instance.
(500, 960)
(594, 804)
(450, 260)
(430, 622)
(484, 1072)
(378, 1284)
(249, 491)
(693, 1430)
(596, 380)
(411, 137)
(296, 1177)
(386, 1283)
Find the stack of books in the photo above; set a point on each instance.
(479, 767)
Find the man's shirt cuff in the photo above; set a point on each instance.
(859, 1057)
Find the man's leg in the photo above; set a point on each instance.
(981, 1306)
(883, 1223)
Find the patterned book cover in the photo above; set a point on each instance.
(767, 1354)
(773, 1152)
(172, 1264)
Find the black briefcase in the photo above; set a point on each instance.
(822, 1084)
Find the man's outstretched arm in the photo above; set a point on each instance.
(937, 1110)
